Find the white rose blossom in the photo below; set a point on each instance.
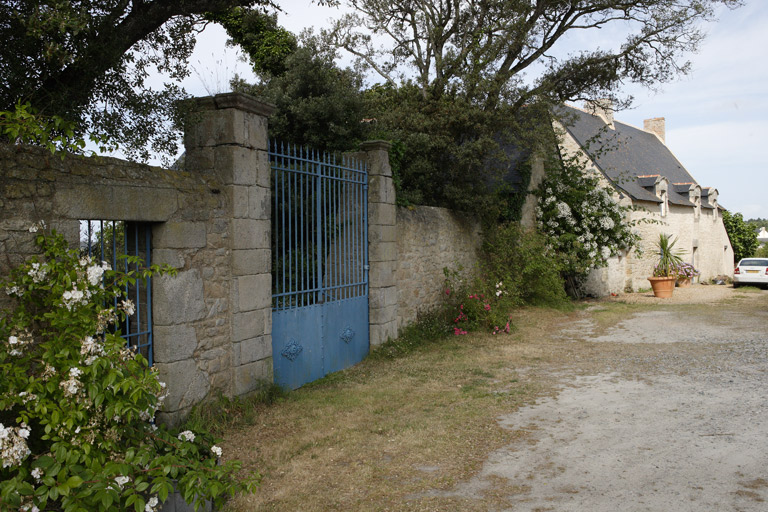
(121, 481)
(187, 435)
(38, 272)
(94, 274)
(151, 504)
(73, 297)
(13, 445)
(216, 451)
(128, 306)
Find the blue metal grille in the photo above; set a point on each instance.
(109, 241)
(319, 227)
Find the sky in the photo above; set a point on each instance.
(716, 116)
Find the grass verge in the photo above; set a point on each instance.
(387, 433)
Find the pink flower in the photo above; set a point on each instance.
(458, 331)
(487, 307)
(447, 291)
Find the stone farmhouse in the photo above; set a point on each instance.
(646, 175)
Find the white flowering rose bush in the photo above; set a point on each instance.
(583, 224)
(77, 407)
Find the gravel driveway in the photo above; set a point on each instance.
(675, 420)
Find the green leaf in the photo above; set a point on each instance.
(43, 462)
(74, 481)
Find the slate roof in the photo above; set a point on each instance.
(629, 156)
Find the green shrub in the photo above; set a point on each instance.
(581, 221)
(77, 407)
(521, 259)
(515, 269)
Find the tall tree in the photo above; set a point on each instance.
(743, 238)
(482, 48)
(87, 61)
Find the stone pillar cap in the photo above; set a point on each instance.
(236, 100)
(372, 145)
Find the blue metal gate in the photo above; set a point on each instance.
(319, 263)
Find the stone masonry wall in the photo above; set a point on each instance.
(229, 142)
(212, 321)
(428, 240)
(188, 233)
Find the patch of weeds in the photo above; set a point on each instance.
(481, 373)
(749, 289)
(643, 290)
(427, 329)
(223, 413)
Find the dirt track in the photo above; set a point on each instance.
(676, 420)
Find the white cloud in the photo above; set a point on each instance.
(728, 156)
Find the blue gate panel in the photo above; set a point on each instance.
(319, 263)
(297, 351)
(346, 333)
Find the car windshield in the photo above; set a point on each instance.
(753, 263)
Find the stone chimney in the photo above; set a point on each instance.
(602, 108)
(655, 125)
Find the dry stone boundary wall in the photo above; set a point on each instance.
(212, 322)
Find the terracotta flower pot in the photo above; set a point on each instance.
(663, 287)
(683, 282)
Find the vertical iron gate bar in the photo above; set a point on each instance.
(148, 287)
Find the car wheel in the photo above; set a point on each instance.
(735, 285)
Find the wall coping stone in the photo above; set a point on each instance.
(373, 145)
(236, 100)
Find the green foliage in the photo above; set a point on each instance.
(743, 238)
(757, 223)
(318, 104)
(516, 269)
(669, 258)
(761, 252)
(77, 406)
(87, 62)
(266, 43)
(429, 327)
(450, 151)
(583, 224)
(522, 261)
(23, 125)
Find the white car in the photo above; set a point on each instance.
(752, 271)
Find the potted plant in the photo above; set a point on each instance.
(685, 273)
(665, 271)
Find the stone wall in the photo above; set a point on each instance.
(428, 240)
(212, 321)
